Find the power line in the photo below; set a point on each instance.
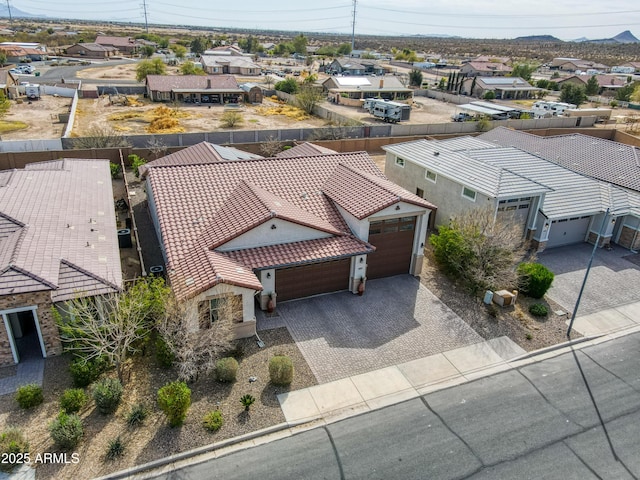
(523, 15)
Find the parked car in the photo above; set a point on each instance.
(461, 117)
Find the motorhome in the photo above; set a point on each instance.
(543, 109)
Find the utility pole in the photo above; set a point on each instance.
(353, 26)
(9, 9)
(144, 8)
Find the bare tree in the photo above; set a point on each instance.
(480, 249)
(157, 147)
(101, 137)
(271, 147)
(194, 336)
(112, 326)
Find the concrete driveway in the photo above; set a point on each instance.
(395, 321)
(614, 279)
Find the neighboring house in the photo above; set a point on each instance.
(503, 87)
(227, 50)
(485, 69)
(553, 205)
(58, 240)
(252, 92)
(634, 65)
(349, 66)
(571, 65)
(126, 45)
(91, 50)
(9, 83)
(222, 65)
(17, 54)
(280, 228)
(606, 83)
(216, 89)
(354, 90)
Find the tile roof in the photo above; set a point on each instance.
(488, 179)
(362, 194)
(304, 150)
(597, 158)
(116, 41)
(167, 83)
(58, 212)
(249, 206)
(489, 66)
(200, 205)
(201, 153)
(300, 253)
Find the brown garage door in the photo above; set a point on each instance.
(393, 239)
(307, 280)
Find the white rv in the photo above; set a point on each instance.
(543, 109)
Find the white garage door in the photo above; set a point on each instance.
(568, 231)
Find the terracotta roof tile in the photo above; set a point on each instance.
(304, 150)
(347, 188)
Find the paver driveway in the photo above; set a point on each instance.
(614, 278)
(395, 321)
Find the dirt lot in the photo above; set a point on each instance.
(41, 116)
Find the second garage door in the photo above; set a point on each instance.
(393, 239)
(568, 231)
(307, 280)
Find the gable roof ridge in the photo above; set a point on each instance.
(30, 275)
(89, 274)
(370, 178)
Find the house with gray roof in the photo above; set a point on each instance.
(353, 91)
(502, 87)
(58, 240)
(552, 204)
(239, 229)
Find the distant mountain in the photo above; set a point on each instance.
(624, 37)
(538, 38)
(16, 13)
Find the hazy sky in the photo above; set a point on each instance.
(565, 19)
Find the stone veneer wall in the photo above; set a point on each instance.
(49, 330)
(627, 236)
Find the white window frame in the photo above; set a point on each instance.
(435, 176)
(400, 162)
(471, 199)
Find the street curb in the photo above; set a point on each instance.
(553, 348)
(212, 447)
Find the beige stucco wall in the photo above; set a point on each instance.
(263, 235)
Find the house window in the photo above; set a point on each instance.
(431, 176)
(400, 162)
(214, 310)
(469, 194)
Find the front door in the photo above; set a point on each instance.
(23, 330)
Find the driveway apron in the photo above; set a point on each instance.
(396, 320)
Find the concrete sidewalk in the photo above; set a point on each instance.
(370, 391)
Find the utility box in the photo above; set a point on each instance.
(504, 298)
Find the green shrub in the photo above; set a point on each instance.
(226, 369)
(213, 420)
(164, 355)
(72, 400)
(66, 430)
(534, 279)
(107, 394)
(538, 310)
(115, 169)
(115, 448)
(281, 370)
(231, 119)
(29, 396)
(12, 441)
(137, 415)
(247, 400)
(136, 162)
(174, 399)
(85, 372)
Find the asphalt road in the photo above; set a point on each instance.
(575, 416)
(68, 72)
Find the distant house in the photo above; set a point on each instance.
(91, 50)
(485, 69)
(212, 89)
(502, 87)
(126, 45)
(606, 83)
(17, 54)
(58, 242)
(577, 64)
(353, 90)
(634, 65)
(231, 64)
(349, 66)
